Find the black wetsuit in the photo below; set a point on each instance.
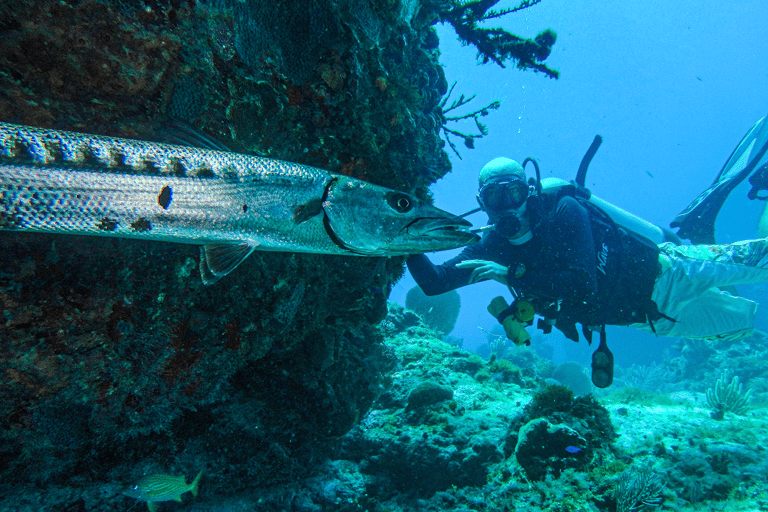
(588, 270)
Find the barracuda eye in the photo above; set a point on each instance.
(400, 202)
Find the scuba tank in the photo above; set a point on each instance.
(619, 216)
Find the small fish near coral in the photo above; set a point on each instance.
(231, 204)
(156, 488)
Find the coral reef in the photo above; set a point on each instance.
(556, 431)
(572, 375)
(431, 441)
(727, 398)
(116, 360)
(475, 115)
(545, 449)
(639, 490)
(440, 312)
(694, 365)
(497, 45)
(442, 453)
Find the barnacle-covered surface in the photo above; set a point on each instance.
(116, 361)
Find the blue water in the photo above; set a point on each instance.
(671, 87)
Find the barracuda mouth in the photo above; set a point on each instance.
(424, 234)
(453, 229)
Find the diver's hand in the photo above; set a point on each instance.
(484, 269)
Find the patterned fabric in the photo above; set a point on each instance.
(689, 289)
(752, 253)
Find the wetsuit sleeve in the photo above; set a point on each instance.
(436, 279)
(572, 275)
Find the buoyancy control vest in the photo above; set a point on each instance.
(626, 265)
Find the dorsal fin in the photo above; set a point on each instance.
(181, 133)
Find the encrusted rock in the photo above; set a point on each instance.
(428, 393)
(543, 448)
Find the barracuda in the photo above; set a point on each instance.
(231, 204)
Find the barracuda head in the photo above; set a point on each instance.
(370, 220)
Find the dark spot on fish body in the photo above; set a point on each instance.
(52, 152)
(107, 224)
(84, 156)
(147, 166)
(204, 171)
(17, 150)
(175, 167)
(245, 208)
(115, 159)
(142, 225)
(165, 197)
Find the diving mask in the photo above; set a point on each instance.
(501, 196)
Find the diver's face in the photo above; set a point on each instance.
(503, 197)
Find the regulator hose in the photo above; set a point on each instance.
(538, 174)
(581, 176)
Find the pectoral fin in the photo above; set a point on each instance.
(308, 210)
(218, 260)
(313, 207)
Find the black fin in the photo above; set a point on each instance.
(759, 181)
(179, 132)
(218, 260)
(697, 221)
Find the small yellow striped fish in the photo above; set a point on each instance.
(156, 488)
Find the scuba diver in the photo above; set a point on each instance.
(570, 261)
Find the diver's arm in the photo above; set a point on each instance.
(436, 279)
(576, 280)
